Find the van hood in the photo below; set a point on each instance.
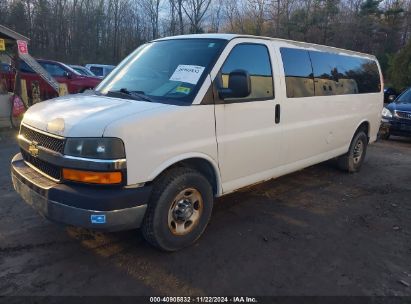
(82, 115)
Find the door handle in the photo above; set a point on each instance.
(277, 113)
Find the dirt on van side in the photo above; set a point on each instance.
(315, 232)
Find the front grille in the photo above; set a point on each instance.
(403, 115)
(49, 169)
(46, 141)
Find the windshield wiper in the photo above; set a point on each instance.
(135, 95)
(139, 94)
(142, 95)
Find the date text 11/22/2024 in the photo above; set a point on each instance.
(234, 299)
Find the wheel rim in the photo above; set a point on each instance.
(185, 211)
(358, 151)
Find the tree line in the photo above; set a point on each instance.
(105, 31)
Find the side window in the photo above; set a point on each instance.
(364, 72)
(255, 59)
(298, 72)
(98, 71)
(340, 74)
(24, 67)
(327, 68)
(108, 70)
(53, 69)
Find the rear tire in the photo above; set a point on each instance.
(354, 158)
(179, 209)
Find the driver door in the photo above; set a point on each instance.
(249, 137)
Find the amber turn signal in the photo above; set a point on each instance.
(103, 178)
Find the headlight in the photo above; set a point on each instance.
(386, 113)
(100, 148)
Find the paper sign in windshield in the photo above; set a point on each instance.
(187, 73)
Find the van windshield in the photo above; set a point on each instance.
(167, 71)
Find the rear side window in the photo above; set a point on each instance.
(326, 68)
(108, 70)
(312, 73)
(298, 72)
(53, 69)
(98, 71)
(340, 74)
(255, 59)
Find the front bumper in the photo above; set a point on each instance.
(394, 126)
(94, 207)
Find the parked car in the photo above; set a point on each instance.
(389, 95)
(83, 70)
(76, 83)
(396, 116)
(185, 119)
(100, 70)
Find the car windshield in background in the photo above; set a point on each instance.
(404, 97)
(168, 71)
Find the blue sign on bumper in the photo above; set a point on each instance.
(98, 218)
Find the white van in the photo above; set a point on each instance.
(185, 119)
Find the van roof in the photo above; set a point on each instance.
(100, 65)
(300, 44)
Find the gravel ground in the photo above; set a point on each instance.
(318, 231)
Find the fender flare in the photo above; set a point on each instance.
(174, 160)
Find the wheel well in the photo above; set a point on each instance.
(364, 126)
(201, 165)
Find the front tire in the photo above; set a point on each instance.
(179, 209)
(354, 158)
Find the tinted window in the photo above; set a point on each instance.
(108, 70)
(24, 67)
(298, 72)
(340, 74)
(97, 71)
(255, 59)
(53, 69)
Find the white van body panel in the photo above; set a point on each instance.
(155, 141)
(83, 115)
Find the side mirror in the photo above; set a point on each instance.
(391, 98)
(239, 85)
(68, 75)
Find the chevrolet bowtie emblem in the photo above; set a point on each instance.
(33, 149)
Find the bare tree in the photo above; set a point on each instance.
(195, 11)
(152, 8)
